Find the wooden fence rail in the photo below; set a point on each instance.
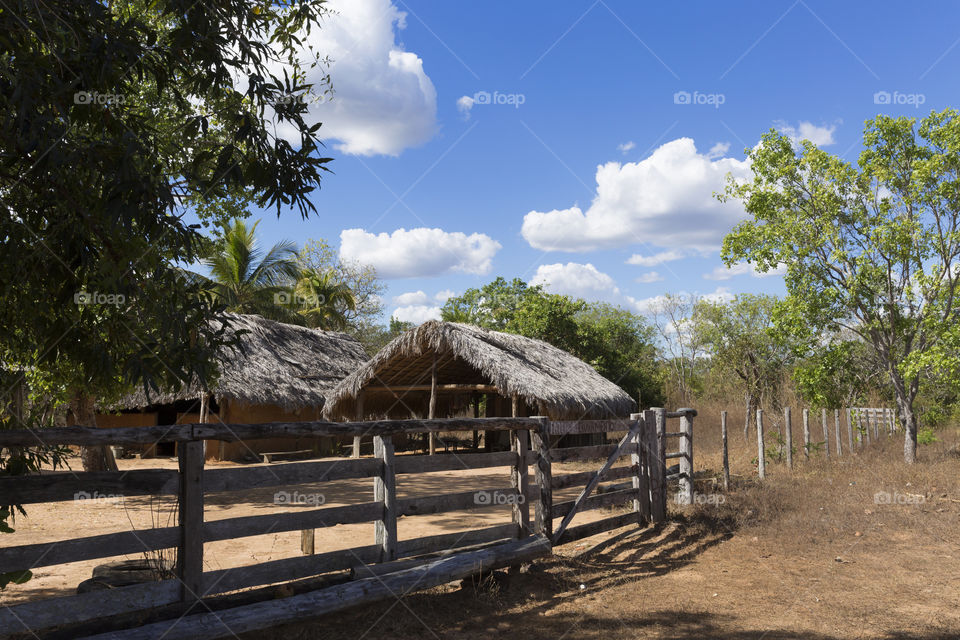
(645, 496)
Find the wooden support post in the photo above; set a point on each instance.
(639, 479)
(358, 416)
(433, 403)
(685, 493)
(656, 424)
(788, 424)
(876, 425)
(836, 424)
(543, 510)
(385, 491)
(761, 450)
(520, 481)
(826, 433)
(850, 431)
(746, 422)
(726, 458)
(865, 417)
(190, 549)
(806, 434)
(476, 414)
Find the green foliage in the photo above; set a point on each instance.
(870, 249)
(926, 435)
(245, 279)
(321, 300)
(101, 154)
(836, 374)
(741, 338)
(366, 288)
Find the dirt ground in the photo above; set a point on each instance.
(858, 547)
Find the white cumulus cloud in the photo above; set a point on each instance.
(822, 136)
(577, 280)
(419, 252)
(464, 105)
(626, 147)
(411, 297)
(722, 272)
(383, 100)
(650, 277)
(416, 313)
(656, 259)
(665, 199)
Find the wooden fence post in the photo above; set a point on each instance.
(789, 424)
(640, 478)
(806, 434)
(876, 425)
(826, 433)
(865, 417)
(656, 421)
(543, 510)
(726, 458)
(385, 491)
(686, 490)
(520, 481)
(762, 452)
(850, 430)
(190, 549)
(836, 424)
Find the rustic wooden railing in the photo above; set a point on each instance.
(531, 444)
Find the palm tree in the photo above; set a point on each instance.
(246, 280)
(322, 300)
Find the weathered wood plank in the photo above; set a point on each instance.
(34, 616)
(45, 554)
(314, 604)
(244, 526)
(285, 569)
(583, 477)
(427, 464)
(652, 450)
(761, 449)
(544, 477)
(571, 427)
(440, 542)
(685, 492)
(681, 413)
(562, 509)
(806, 434)
(89, 436)
(725, 451)
(385, 492)
(826, 433)
(788, 426)
(423, 505)
(641, 501)
(598, 526)
(596, 452)
(519, 481)
(65, 485)
(287, 473)
(190, 549)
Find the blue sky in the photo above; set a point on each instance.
(469, 137)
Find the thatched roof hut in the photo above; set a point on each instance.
(272, 364)
(541, 378)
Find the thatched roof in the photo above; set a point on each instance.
(543, 376)
(273, 363)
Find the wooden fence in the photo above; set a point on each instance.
(443, 557)
(864, 424)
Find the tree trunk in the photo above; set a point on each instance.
(905, 394)
(82, 413)
(746, 421)
(909, 420)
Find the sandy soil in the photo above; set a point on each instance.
(82, 518)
